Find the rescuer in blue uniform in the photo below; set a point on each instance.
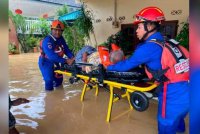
(149, 53)
(53, 49)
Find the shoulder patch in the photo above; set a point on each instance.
(49, 46)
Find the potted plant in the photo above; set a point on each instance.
(36, 48)
(12, 49)
(32, 44)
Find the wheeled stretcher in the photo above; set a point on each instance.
(133, 84)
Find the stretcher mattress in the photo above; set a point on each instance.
(135, 75)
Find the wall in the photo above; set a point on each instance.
(105, 8)
(12, 34)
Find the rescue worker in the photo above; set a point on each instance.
(53, 49)
(149, 53)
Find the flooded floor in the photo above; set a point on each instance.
(62, 112)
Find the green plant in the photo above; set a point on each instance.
(183, 36)
(63, 10)
(74, 39)
(83, 23)
(120, 39)
(20, 24)
(32, 42)
(12, 48)
(44, 26)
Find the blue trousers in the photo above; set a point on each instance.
(177, 107)
(195, 101)
(47, 69)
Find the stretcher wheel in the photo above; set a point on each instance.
(71, 80)
(139, 101)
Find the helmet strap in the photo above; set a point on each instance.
(146, 29)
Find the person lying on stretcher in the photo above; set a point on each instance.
(103, 55)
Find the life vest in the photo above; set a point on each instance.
(104, 54)
(42, 54)
(174, 61)
(175, 67)
(59, 48)
(115, 47)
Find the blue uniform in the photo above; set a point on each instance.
(177, 104)
(195, 100)
(53, 51)
(86, 49)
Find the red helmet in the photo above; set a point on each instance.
(153, 14)
(56, 24)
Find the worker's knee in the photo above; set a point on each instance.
(49, 85)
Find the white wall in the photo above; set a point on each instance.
(102, 9)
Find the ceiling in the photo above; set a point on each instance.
(37, 8)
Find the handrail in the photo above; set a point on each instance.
(31, 24)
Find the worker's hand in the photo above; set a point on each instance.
(70, 61)
(19, 101)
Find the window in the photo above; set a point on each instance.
(168, 29)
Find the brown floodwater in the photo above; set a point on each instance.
(62, 112)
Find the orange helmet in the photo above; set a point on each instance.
(56, 24)
(152, 14)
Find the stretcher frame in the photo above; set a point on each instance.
(112, 85)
